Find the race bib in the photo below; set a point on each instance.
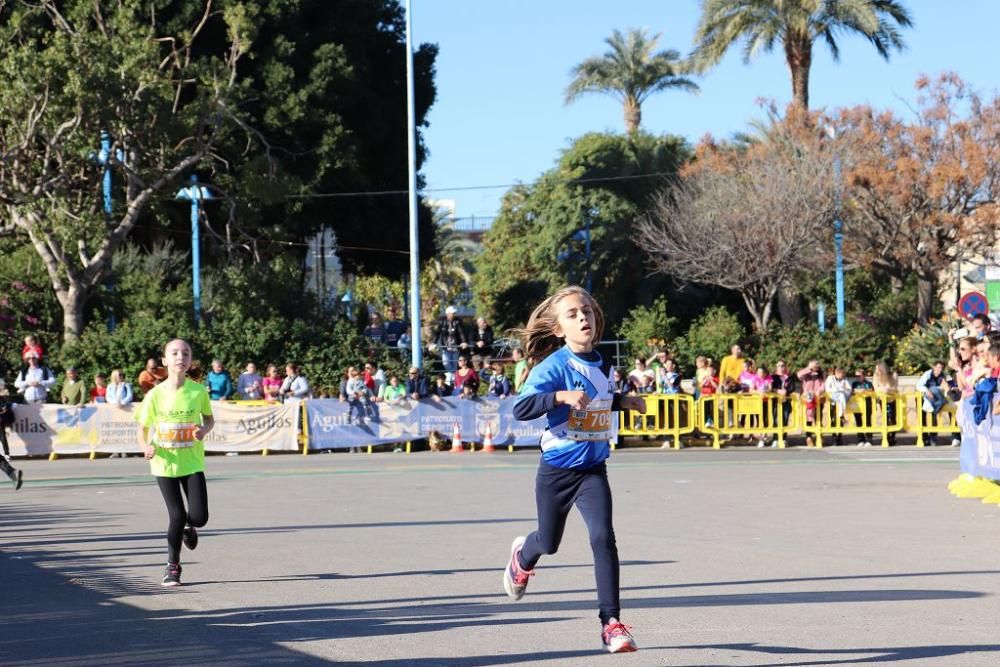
(175, 436)
(592, 423)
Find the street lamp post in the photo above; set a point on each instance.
(104, 159)
(195, 194)
(416, 354)
(838, 233)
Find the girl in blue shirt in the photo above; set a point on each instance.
(572, 386)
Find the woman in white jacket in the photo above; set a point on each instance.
(119, 391)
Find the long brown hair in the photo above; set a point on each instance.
(537, 337)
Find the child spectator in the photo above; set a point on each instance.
(668, 379)
(931, 385)
(748, 377)
(639, 374)
(520, 369)
(709, 387)
(392, 391)
(499, 384)
(838, 388)
(359, 397)
(74, 390)
(220, 385)
(885, 382)
(647, 385)
(271, 385)
(700, 373)
(441, 388)
(483, 371)
(32, 346)
(99, 394)
(470, 388)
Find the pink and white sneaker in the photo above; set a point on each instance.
(515, 577)
(616, 638)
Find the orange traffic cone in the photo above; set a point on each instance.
(488, 440)
(456, 440)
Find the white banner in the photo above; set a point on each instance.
(44, 428)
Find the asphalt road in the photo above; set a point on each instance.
(735, 557)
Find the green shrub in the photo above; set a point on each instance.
(711, 335)
(648, 328)
(858, 344)
(923, 345)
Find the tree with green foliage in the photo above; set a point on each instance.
(74, 69)
(605, 180)
(796, 25)
(630, 71)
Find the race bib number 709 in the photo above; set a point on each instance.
(592, 423)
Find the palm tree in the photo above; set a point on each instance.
(630, 72)
(797, 24)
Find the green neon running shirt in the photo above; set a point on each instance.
(172, 417)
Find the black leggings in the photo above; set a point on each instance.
(196, 514)
(556, 491)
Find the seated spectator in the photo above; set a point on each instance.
(668, 380)
(271, 384)
(119, 392)
(74, 390)
(152, 375)
(638, 374)
(838, 388)
(416, 384)
(360, 398)
(294, 386)
(441, 388)
(499, 384)
(32, 346)
(392, 391)
(220, 385)
(249, 385)
(375, 329)
(811, 379)
(464, 374)
(863, 415)
(99, 394)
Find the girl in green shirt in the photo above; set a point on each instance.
(174, 418)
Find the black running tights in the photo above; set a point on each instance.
(196, 514)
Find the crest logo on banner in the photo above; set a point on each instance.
(488, 414)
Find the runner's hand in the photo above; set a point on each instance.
(199, 433)
(148, 451)
(636, 403)
(576, 400)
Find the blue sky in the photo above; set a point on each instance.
(504, 64)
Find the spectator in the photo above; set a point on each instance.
(709, 387)
(838, 388)
(99, 394)
(885, 382)
(861, 389)
(359, 397)
(449, 338)
(74, 390)
(811, 379)
(416, 384)
(375, 329)
(395, 329)
(655, 363)
(647, 384)
(35, 379)
(441, 388)
(470, 388)
(732, 366)
(32, 346)
(668, 380)
(482, 337)
(119, 392)
(700, 373)
(249, 385)
(520, 369)
(464, 374)
(483, 371)
(980, 325)
(405, 342)
(220, 385)
(622, 385)
(782, 384)
(499, 384)
(343, 395)
(151, 376)
(374, 378)
(639, 373)
(932, 385)
(962, 360)
(748, 377)
(762, 385)
(392, 391)
(271, 384)
(295, 385)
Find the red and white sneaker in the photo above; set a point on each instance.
(515, 577)
(616, 638)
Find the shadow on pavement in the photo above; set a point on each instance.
(859, 655)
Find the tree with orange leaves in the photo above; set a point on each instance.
(919, 194)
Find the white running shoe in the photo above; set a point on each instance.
(515, 577)
(616, 638)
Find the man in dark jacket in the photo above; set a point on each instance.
(416, 384)
(449, 337)
(482, 337)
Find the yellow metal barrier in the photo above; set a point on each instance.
(759, 416)
(667, 415)
(916, 420)
(867, 412)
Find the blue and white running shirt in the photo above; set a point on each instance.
(572, 438)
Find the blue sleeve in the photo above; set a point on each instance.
(538, 395)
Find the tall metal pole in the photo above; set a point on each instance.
(195, 193)
(416, 354)
(838, 241)
(104, 157)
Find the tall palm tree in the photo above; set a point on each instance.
(630, 72)
(796, 24)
